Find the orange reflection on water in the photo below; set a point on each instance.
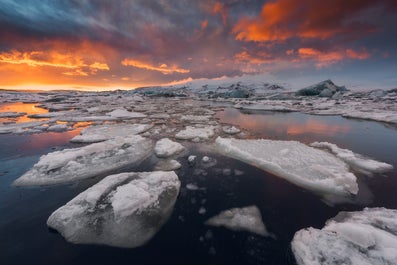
(28, 108)
(313, 126)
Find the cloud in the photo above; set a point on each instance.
(162, 68)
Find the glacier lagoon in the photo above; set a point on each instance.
(220, 183)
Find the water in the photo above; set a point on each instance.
(184, 239)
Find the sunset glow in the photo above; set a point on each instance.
(119, 44)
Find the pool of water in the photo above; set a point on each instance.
(28, 108)
(184, 239)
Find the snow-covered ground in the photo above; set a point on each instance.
(362, 238)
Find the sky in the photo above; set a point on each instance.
(101, 44)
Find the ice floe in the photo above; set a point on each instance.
(196, 133)
(357, 238)
(305, 166)
(240, 219)
(11, 114)
(125, 114)
(356, 161)
(230, 129)
(123, 210)
(167, 165)
(22, 127)
(166, 148)
(101, 133)
(88, 161)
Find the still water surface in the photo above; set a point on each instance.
(184, 239)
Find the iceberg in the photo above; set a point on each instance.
(305, 166)
(166, 148)
(123, 210)
(240, 219)
(356, 161)
(89, 161)
(357, 238)
(101, 133)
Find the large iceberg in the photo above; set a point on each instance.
(305, 166)
(356, 238)
(356, 161)
(88, 161)
(240, 219)
(101, 133)
(123, 210)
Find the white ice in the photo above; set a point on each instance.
(101, 133)
(125, 114)
(196, 133)
(240, 219)
(58, 128)
(356, 161)
(84, 162)
(356, 238)
(21, 127)
(166, 148)
(305, 166)
(230, 129)
(124, 210)
(11, 114)
(167, 165)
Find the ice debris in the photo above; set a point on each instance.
(125, 114)
(357, 238)
(166, 148)
(240, 219)
(356, 161)
(305, 166)
(168, 165)
(88, 161)
(124, 210)
(101, 133)
(191, 133)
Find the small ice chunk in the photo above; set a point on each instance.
(125, 114)
(305, 166)
(205, 159)
(202, 210)
(101, 133)
(166, 148)
(168, 165)
(191, 158)
(365, 237)
(195, 119)
(58, 128)
(88, 161)
(191, 133)
(230, 130)
(191, 186)
(356, 161)
(123, 210)
(241, 219)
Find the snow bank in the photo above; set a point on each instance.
(123, 210)
(166, 148)
(240, 219)
(88, 161)
(366, 237)
(305, 166)
(190, 133)
(356, 161)
(101, 133)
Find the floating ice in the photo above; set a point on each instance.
(101, 133)
(58, 128)
(192, 186)
(195, 118)
(168, 165)
(190, 133)
(20, 127)
(305, 166)
(125, 114)
(166, 148)
(356, 161)
(88, 161)
(230, 129)
(11, 114)
(123, 210)
(357, 238)
(240, 219)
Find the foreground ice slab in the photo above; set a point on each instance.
(356, 161)
(241, 219)
(356, 238)
(305, 166)
(123, 210)
(88, 161)
(166, 148)
(101, 133)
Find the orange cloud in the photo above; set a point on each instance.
(163, 68)
(219, 8)
(280, 20)
(204, 24)
(359, 55)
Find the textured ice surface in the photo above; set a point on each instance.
(240, 219)
(125, 114)
(166, 148)
(356, 161)
(11, 114)
(167, 165)
(305, 166)
(190, 133)
(101, 133)
(88, 161)
(356, 238)
(123, 210)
